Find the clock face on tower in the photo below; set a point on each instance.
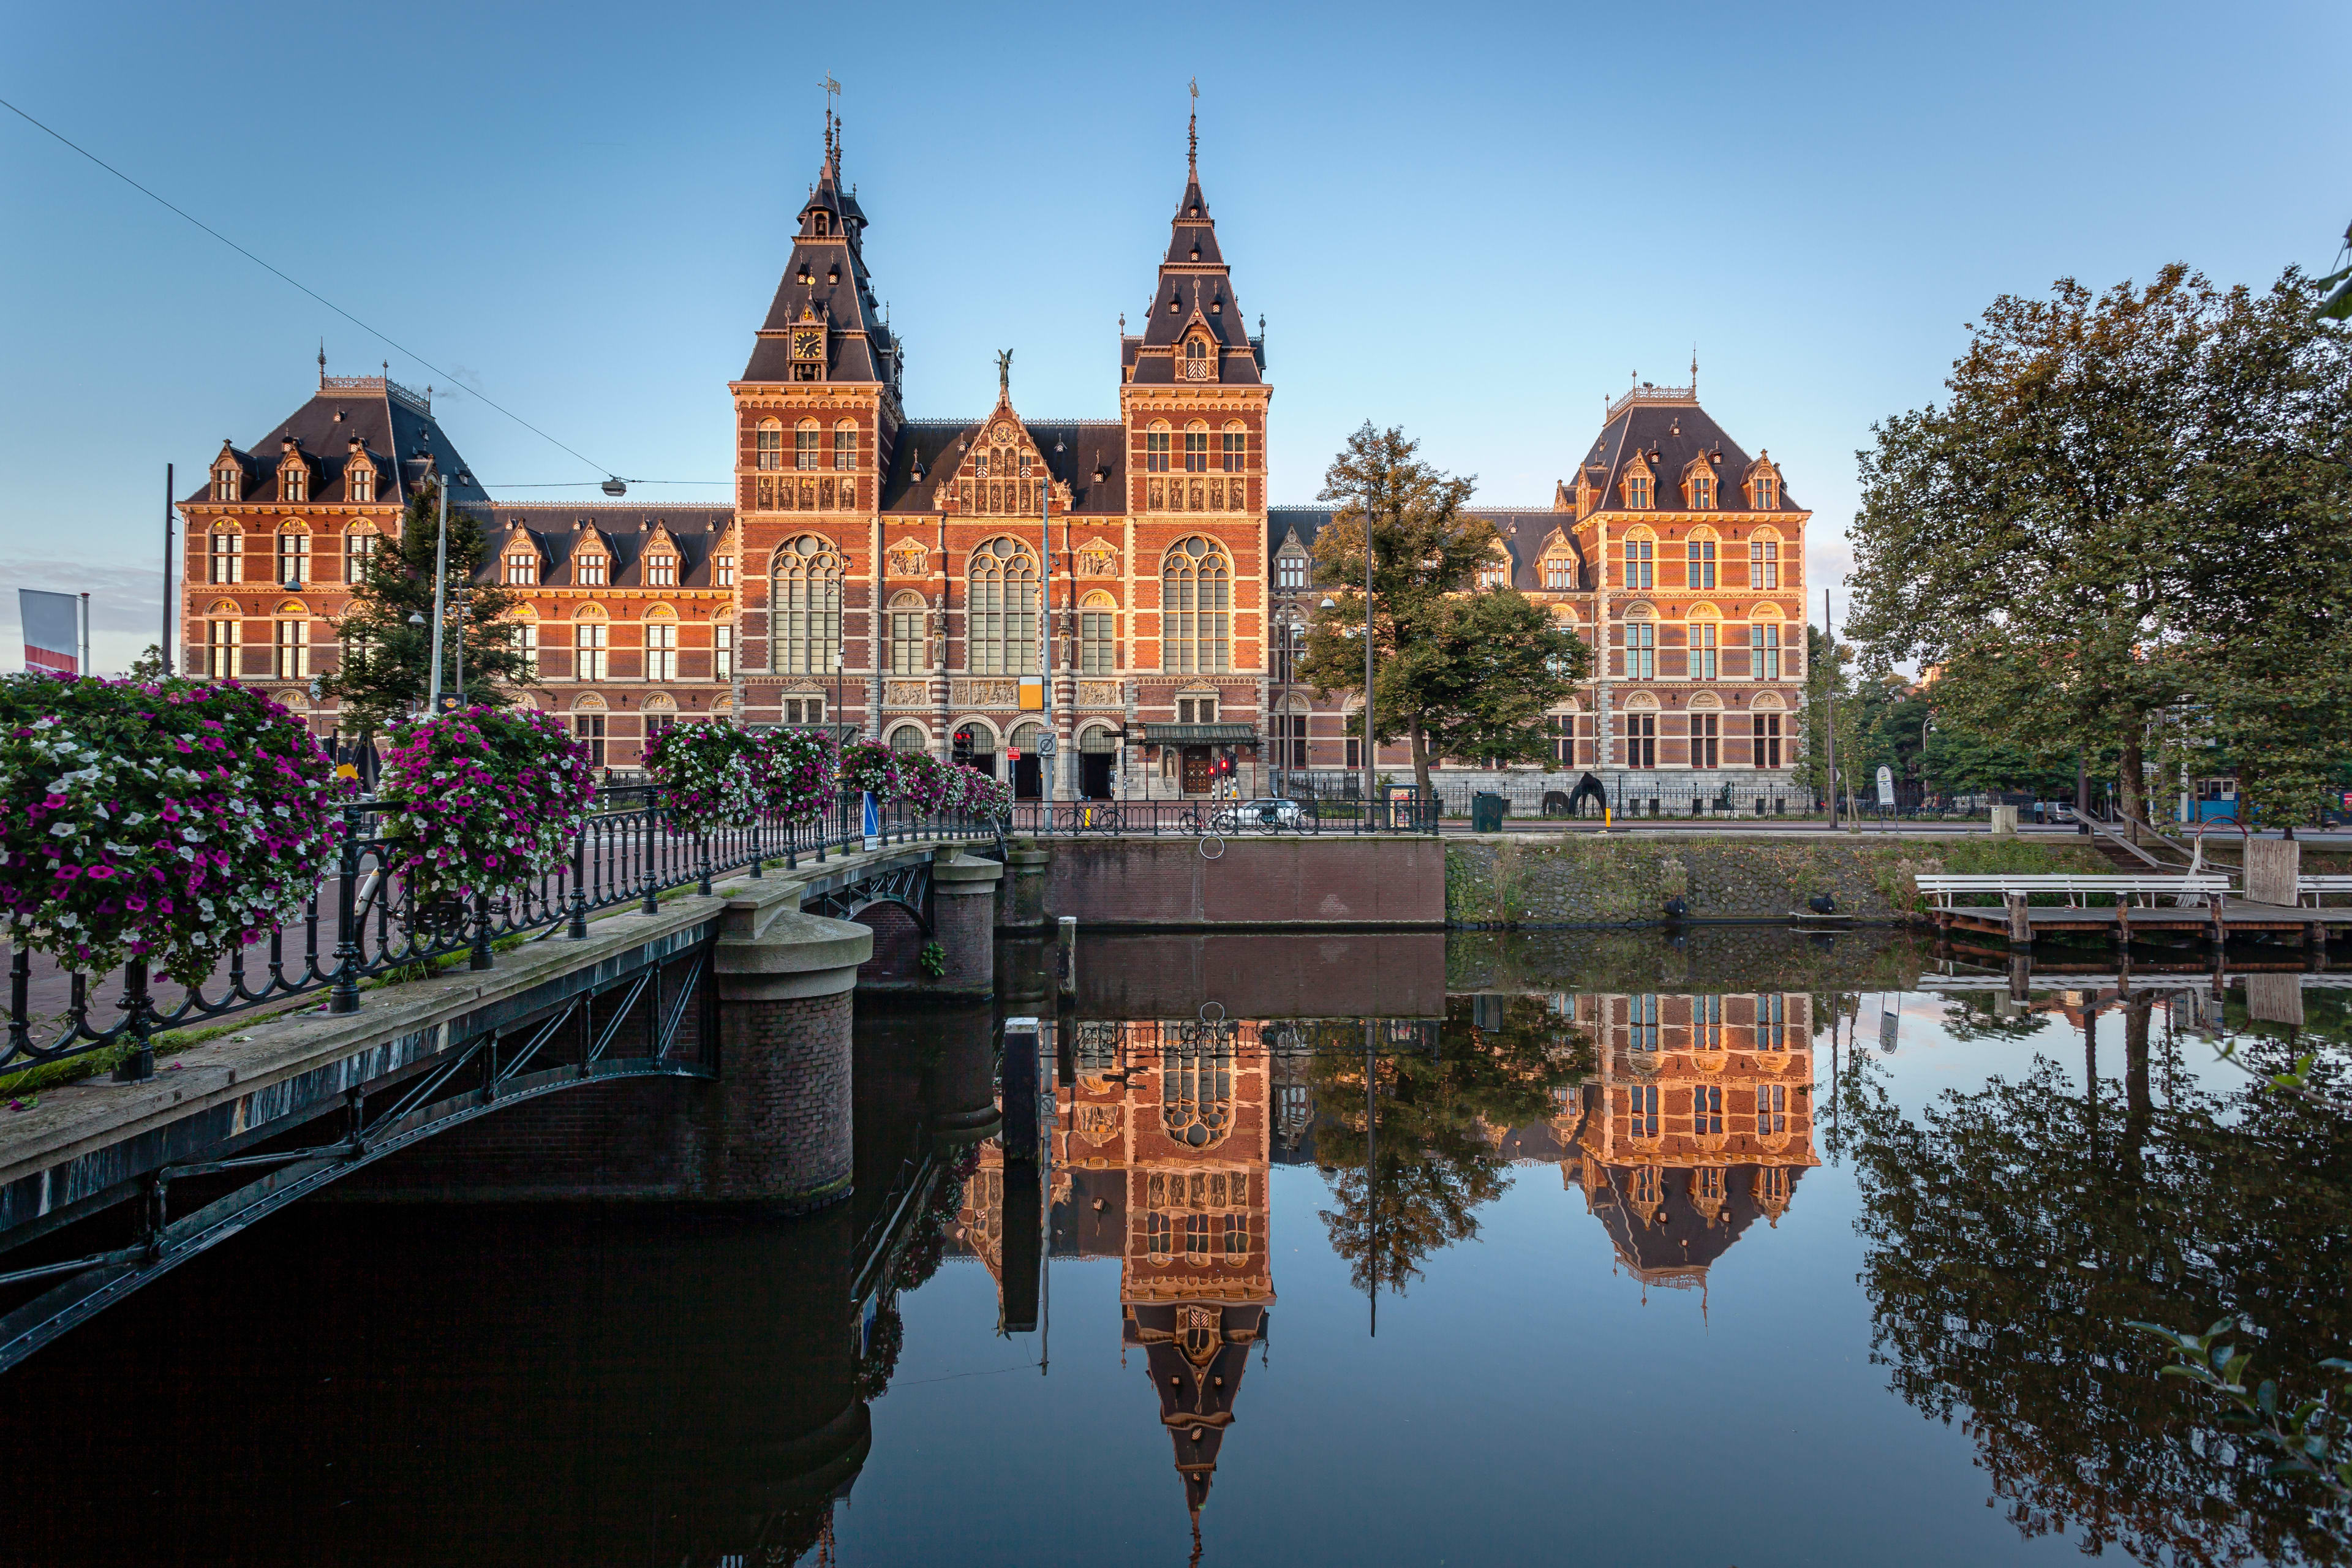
(807, 345)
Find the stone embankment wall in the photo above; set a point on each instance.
(1328, 880)
(1586, 879)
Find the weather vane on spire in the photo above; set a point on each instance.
(832, 90)
(1192, 132)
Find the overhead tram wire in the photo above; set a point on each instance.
(314, 294)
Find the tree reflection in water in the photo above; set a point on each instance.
(1409, 1170)
(2012, 1235)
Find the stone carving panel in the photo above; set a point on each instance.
(907, 694)
(1099, 694)
(986, 694)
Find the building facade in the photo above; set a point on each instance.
(914, 579)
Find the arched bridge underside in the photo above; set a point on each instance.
(134, 1182)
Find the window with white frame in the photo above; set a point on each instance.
(1699, 554)
(293, 557)
(1763, 562)
(222, 639)
(591, 642)
(293, 649)
(588, 571)
(1290, 571)
(723, 650)
(227, 561)
(661, 650)
(359, 549)
(1640, 562)
(1195, 607)
(1002, 622)
(804, 613)
(522, 565)
(661, 570)
(1641, 650)
(1764, 651)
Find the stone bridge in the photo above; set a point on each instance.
(699, 1052)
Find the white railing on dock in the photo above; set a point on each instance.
(2316, 890)
(2185, 891)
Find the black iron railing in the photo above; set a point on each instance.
(364, 923)
(1218, 818)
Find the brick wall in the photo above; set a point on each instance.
(780, 1119)
(1366, 881)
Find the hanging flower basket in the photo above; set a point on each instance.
(800, 773)
(482, 799)
(169, 821)
(925, 782)
(872, 767)
(985, 797)
(706, 776)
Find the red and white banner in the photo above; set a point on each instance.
(52, 630)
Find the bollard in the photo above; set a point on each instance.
(1021, 1250)
(1018, 1077)
(1066, 958)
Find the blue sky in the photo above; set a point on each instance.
(1474, 221)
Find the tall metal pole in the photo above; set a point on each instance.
(83, 661)
(164, 647)
(1372, 1174)
(1372, 772)
(1828, 697)
(440, 579)
(460, 681)
(1049, 755)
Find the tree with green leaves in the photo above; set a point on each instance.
(1411, 1165)
(2016, 1234)
(1458, 672)
(386, 671)
(2131, 505)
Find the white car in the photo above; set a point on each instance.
(1268, 815)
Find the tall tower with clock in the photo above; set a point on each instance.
(817, 413)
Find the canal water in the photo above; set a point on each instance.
(1748, 1248)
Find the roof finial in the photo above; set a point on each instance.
(1005, 375)
(1693, 372)
(1192, 134)
(832, 147)
(323, 362)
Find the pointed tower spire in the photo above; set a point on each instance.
(1694, 370)
(1192, 134)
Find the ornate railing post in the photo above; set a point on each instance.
(20, 991)
(482, 954)
(756, 856)
(651, 857)
(139, 1063)
(702, 871)
(345, 997)
(578, 929)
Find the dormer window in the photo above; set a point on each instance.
(1637, 491)
(1559, 573)
(1493, 574)
(661, 570)
(294, 480)
(1766, 491)
(1702, 492)
(522, 566)
(363, 477)
(1197, 365)
(588, 571)
(1290, 571)
(228, 483)
(818, 221)
(722, 571)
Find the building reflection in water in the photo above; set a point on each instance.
(1683, 1118)
(1699, 1122)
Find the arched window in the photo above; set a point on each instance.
(908, 655)
(661, 643)
(1001, 625)
(526, 640)
(907, 738)
(359, 484)
(845, 446)
(1764, 560)
(519, 565)
(1236, 452)
(293, 555)
(359, 546)
(293, 643)
(804, 607)
(224, 632)
(1641, 557)
(1155, 447)
(1196, 359)
(228, 563)
(1195, 607)
(1196, 446)
(1764, 488)
(804, 439)
(1699, 560)
(1196, 1090)
(1706, 1109)
(1704, 637)
(592, 641)
(1098, 635)
(1702, 490)
(772, 443)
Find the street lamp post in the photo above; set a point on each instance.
(1371, 773)
(440, 579)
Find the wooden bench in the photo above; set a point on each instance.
(2203, 888)
(2317, 889)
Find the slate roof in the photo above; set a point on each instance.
(1677, 431)
(395, 427)
(859, 344)
(1194, 279)
(1679, 1245)
(558, 527)
(1088, 448)
(1524, 531)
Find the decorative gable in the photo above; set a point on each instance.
(1699, 482)
(1637, 485)
(228, 475)
(359, 473)
(294, 472)
(907, 557)
(998, 472)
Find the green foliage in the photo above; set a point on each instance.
(385, 671)
(1415, 1184)
(2132, 505)
(1455, 673)
(2308, 1437)
(933, 960)
(149, 665)
(2016, 1236)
